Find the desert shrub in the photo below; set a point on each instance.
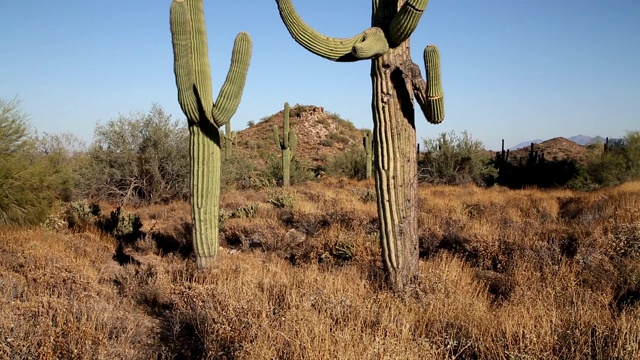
(236, 171)
(368, 196)
(67, 157)
(620, 162)
(140, 158)
(350, 163)
(282, 198)
(299, 171)
(455, 159)
(246, 211)
(123, 226)
(81, 214)
(326, 142)
(29, 183)
(339, 138)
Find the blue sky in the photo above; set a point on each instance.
(512, 69)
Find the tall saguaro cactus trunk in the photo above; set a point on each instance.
(396, 83)
(394, 138)
(205, 117)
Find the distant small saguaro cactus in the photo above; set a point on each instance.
(229, 137)
(287, 145)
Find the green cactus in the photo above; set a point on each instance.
(229, 137)
(287, 145)
(195, 95)
(366, 141)
(396, 81)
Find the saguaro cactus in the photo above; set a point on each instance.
(228, 137)
(287, 145)
(396, 80)
(195, 95)
(367, 139)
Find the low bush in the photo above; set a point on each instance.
(453, 159)
(350, 163)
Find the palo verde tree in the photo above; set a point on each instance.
(205, 117)
(396, 81)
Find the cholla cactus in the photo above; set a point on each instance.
(396, 81)
(195, 95)
(287, 145)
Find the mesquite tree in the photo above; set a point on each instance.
(396, 81)
(205, 117)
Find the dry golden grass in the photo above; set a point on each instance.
(505, 274)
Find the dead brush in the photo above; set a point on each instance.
(534, 275)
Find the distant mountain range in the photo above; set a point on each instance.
(578, 139)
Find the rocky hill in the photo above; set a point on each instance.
(555, 149)
(321, 135)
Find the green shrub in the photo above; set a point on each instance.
(282, 198)
(350, 163)
(326, 142)
(246, 211)
(299, 172)
(81, 214)
(455, 159)
(139, 159)
(123, 226)
(619, 163)
(339, 138)
(29, 183)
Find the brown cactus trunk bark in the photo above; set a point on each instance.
(394, 138)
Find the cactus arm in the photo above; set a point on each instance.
(366, 45)
(406, 21)
(180, 21)
(231, 92)
(276, 137)
(293, 140)
(429, 93)
(285, 130)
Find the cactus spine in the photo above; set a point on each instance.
(396, 80)
(229, 137)
(366, 140)
(195, 95)
(287, 145)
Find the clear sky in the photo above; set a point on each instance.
(513, 69)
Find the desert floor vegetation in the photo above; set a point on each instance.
(504, 274)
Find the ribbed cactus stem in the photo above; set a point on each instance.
(228, 137)
(403, 24)
(396, 79)
(287, 145)
(435, 97)
(195, 95)
(367, 140)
